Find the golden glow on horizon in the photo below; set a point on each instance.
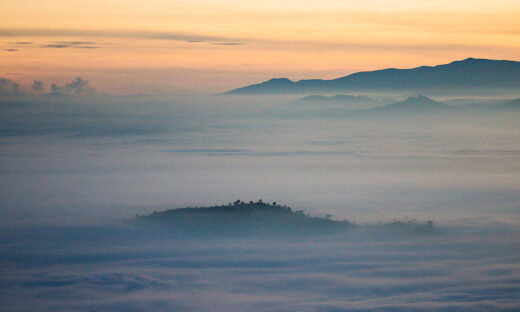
(244, 41)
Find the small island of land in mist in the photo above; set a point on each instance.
(260, 219)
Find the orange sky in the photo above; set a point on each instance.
(205, 46)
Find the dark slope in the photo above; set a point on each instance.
(468, 73)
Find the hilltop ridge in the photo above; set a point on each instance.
(255, 219)
(242, 219)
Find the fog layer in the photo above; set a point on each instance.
(74, 168)
(96, 159)
(114, 269)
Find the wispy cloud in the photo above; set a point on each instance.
(311, 44)
(71, 44)
(227, 43)
(248, 152)
(76, 42)
(136, 34)
(56, 46)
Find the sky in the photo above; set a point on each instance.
(203, 46)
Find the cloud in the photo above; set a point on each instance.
(76, 87)
(470, 151)
(248, 152)
(153, 35)
(75, 42)
(222, 40)
(227, 43)
(37, 86)
(71, 44)
(56, 46)
(463, 272)
(9, 87)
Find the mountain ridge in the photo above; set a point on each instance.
(467, 73)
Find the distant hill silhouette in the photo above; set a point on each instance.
(416, 104)
(468, 73)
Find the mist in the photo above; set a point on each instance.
(75, 168)
(101, 159)
(115, 268)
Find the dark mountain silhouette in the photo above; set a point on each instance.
(468, 73)
(415, 104)
(509, 105)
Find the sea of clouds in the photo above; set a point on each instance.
(114, 269)
(75, 167)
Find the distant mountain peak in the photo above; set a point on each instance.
(477, 59)
(420, 99)
(418, 103)
(278, 80)
(471, 59)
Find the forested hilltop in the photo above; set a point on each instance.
(262, 219)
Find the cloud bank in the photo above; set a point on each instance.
(79, 86)
(37, 86)
(455, 272)
(9, 87)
